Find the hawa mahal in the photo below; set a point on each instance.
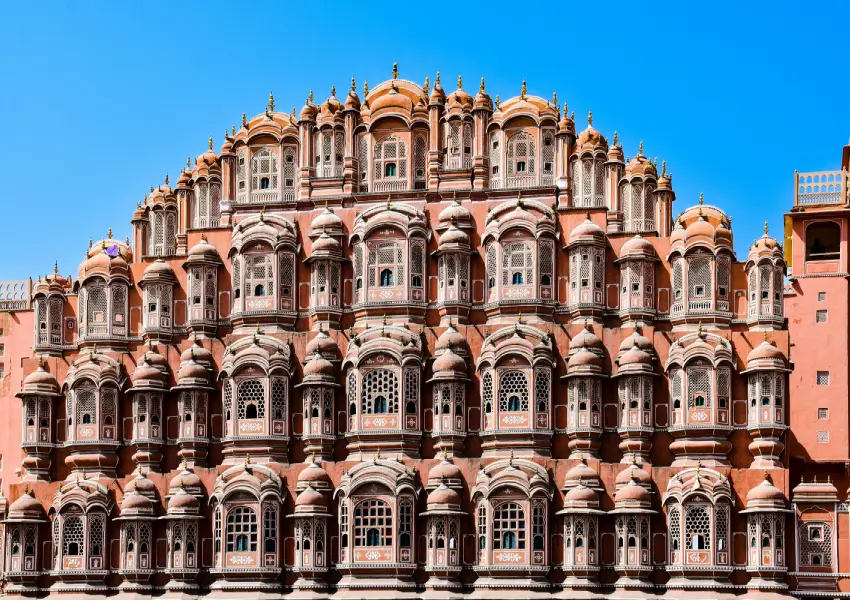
(418, 341)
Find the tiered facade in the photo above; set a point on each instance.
(422, 341)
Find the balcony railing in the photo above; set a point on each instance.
(820, 188)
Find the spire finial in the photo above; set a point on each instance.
(511, 459)
(211, 147)
(614, 142)
(498, 103)
(459, 82)
(427, 87)
(640, 149)
(481, 87)
(333, 91)
(590, 117)
(663, 168)
(109, 233)
(232, 130)
(166, 179)
(437, 81)
(519, 198)
(701, 201)
(91, 243)
(271, 101)
(765, 227)
(262, 212)
(244, 121)
(353, 84)
(311, 96)
(765, 336)
(523, 90)
(395, 69)
(188, 163)
(56, 267)
(365, 88)
(699, 329)
(445, 454)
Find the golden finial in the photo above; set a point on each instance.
(378, 454)
(572, 115)
(244, 121)
(655, 162)
(519, 198)
(56, 268)
(427, 87)
(333, 91)
(699, 329)
(166, 179)
(481, 87)
(459, 82)
(523, 90)
(701, 201)
(640, 149)
(353, 84)
(663, 167)
(226, 135)
(262, 212)
(511, 459)
(292, 114)
(829, 478)
(555, 99)
(437, 81)
(109, 233)
(91, 243)
(590, 118)
(365, 88)
(384, 319)
(127, 239)
(395, 69)
(765, 227)
(445, 454)
(271, 101)
(311, 96)
(232, 130)
(614, 142)
(247, 460)
(188, 163)
(765, 336)
(498, 103)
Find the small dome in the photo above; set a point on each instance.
(634, 356)
(453, 235)
(141, 484)
(326, 220)
(765, 351)
(590, 139)
(581, 473)
(326, 244)
(444, 471)
(323, 344)
(584, 358)
(581, 494)
(678, 233)
(443, 496)
(309, 110)
(482, 98)
(633, 473)
(450, 338)
(204, 249)
(40, 379)
(196, 352)
(438, 96)
(765, 492)
(392, 100)
(638, 341)
(641, 165)
(310, 497)
(314, 474)
(454, 212)
(158, 268)
(699, 228)
(26, 504)
(319, 366)
(450, 363)
(352, 101)
(192, 370)
(185, 479)
(183, 501)
(587, 231)
(632, 492)
(134, 501)
(586, 339)
(637, 246)
(147, 374)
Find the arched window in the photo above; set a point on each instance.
(697, 527)
(386, 264)
(373, 524)
(390, 159)
(509, 527)
(259, 275)
(72, 537)
(241, 530)
(513, 391)
(264, 172)
(517, 264)
(521, 159)
(420, 151)
(823, 241)
(699, 277)
(380, 392)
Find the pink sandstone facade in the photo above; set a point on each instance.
(423, 342)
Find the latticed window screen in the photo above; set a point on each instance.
(270, 531)
(108, 405)
(699, 277)
(405, 523)
(251, 393)
(96, 307)
(542, 386)
(676, 387)
(724, 384)
(352, 393)
(289, 173)
(259, 275)
(491, 266)
(386, 264)
(517, 264)
(547, 262)
(521, 155)
(96, 534)
(264, 171)
(170, 246)
(420, 153)
(411, 390)
(648, 284)
(227, 397)
(86, 406)
(495, 161)
(72, 536)
(119, 305)
(778, 287)
(513, 391)
(241, 173)
(390, 159)
(678, 278)
(363, 161)
(509, 527)
(373, 524)
(379, 392)
(548, 156)
(279, 388)
(286, 264)
(482, 525)
(487, 391)
(721, 526)
(417, 264)
(674, 524)
(723, 274)
(753, 293)
(215, 204)
(698, 527)
(242, 530)
(699, 386)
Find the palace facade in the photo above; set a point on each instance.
(414, 341)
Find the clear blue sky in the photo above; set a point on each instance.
(100, 100)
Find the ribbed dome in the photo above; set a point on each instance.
(449, 362)
(584, 358)
(443, 496)
(183, 501)
(637, 246)
(326, 221)
(632, 493)
(392, 100)
(765, 492)
(140, 483)
(700, 227)
(135, 502)
(310, 497)
(586, 339)
(313, 474)
(40, 379)
(634, 356)
(641, 165)
(581, 494)
(590, 139)
(638, 341)
(192, 370)
(185, 478)
(147, 374)
(158, 268)
(323, 344)
(450, 338)
(453, 235)
(327, 244)
(204, 249)
(633, 472)
(444, 471)
(765, 350)
(319, 366)
(26, 504)
(587, 231)
(196, 352)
